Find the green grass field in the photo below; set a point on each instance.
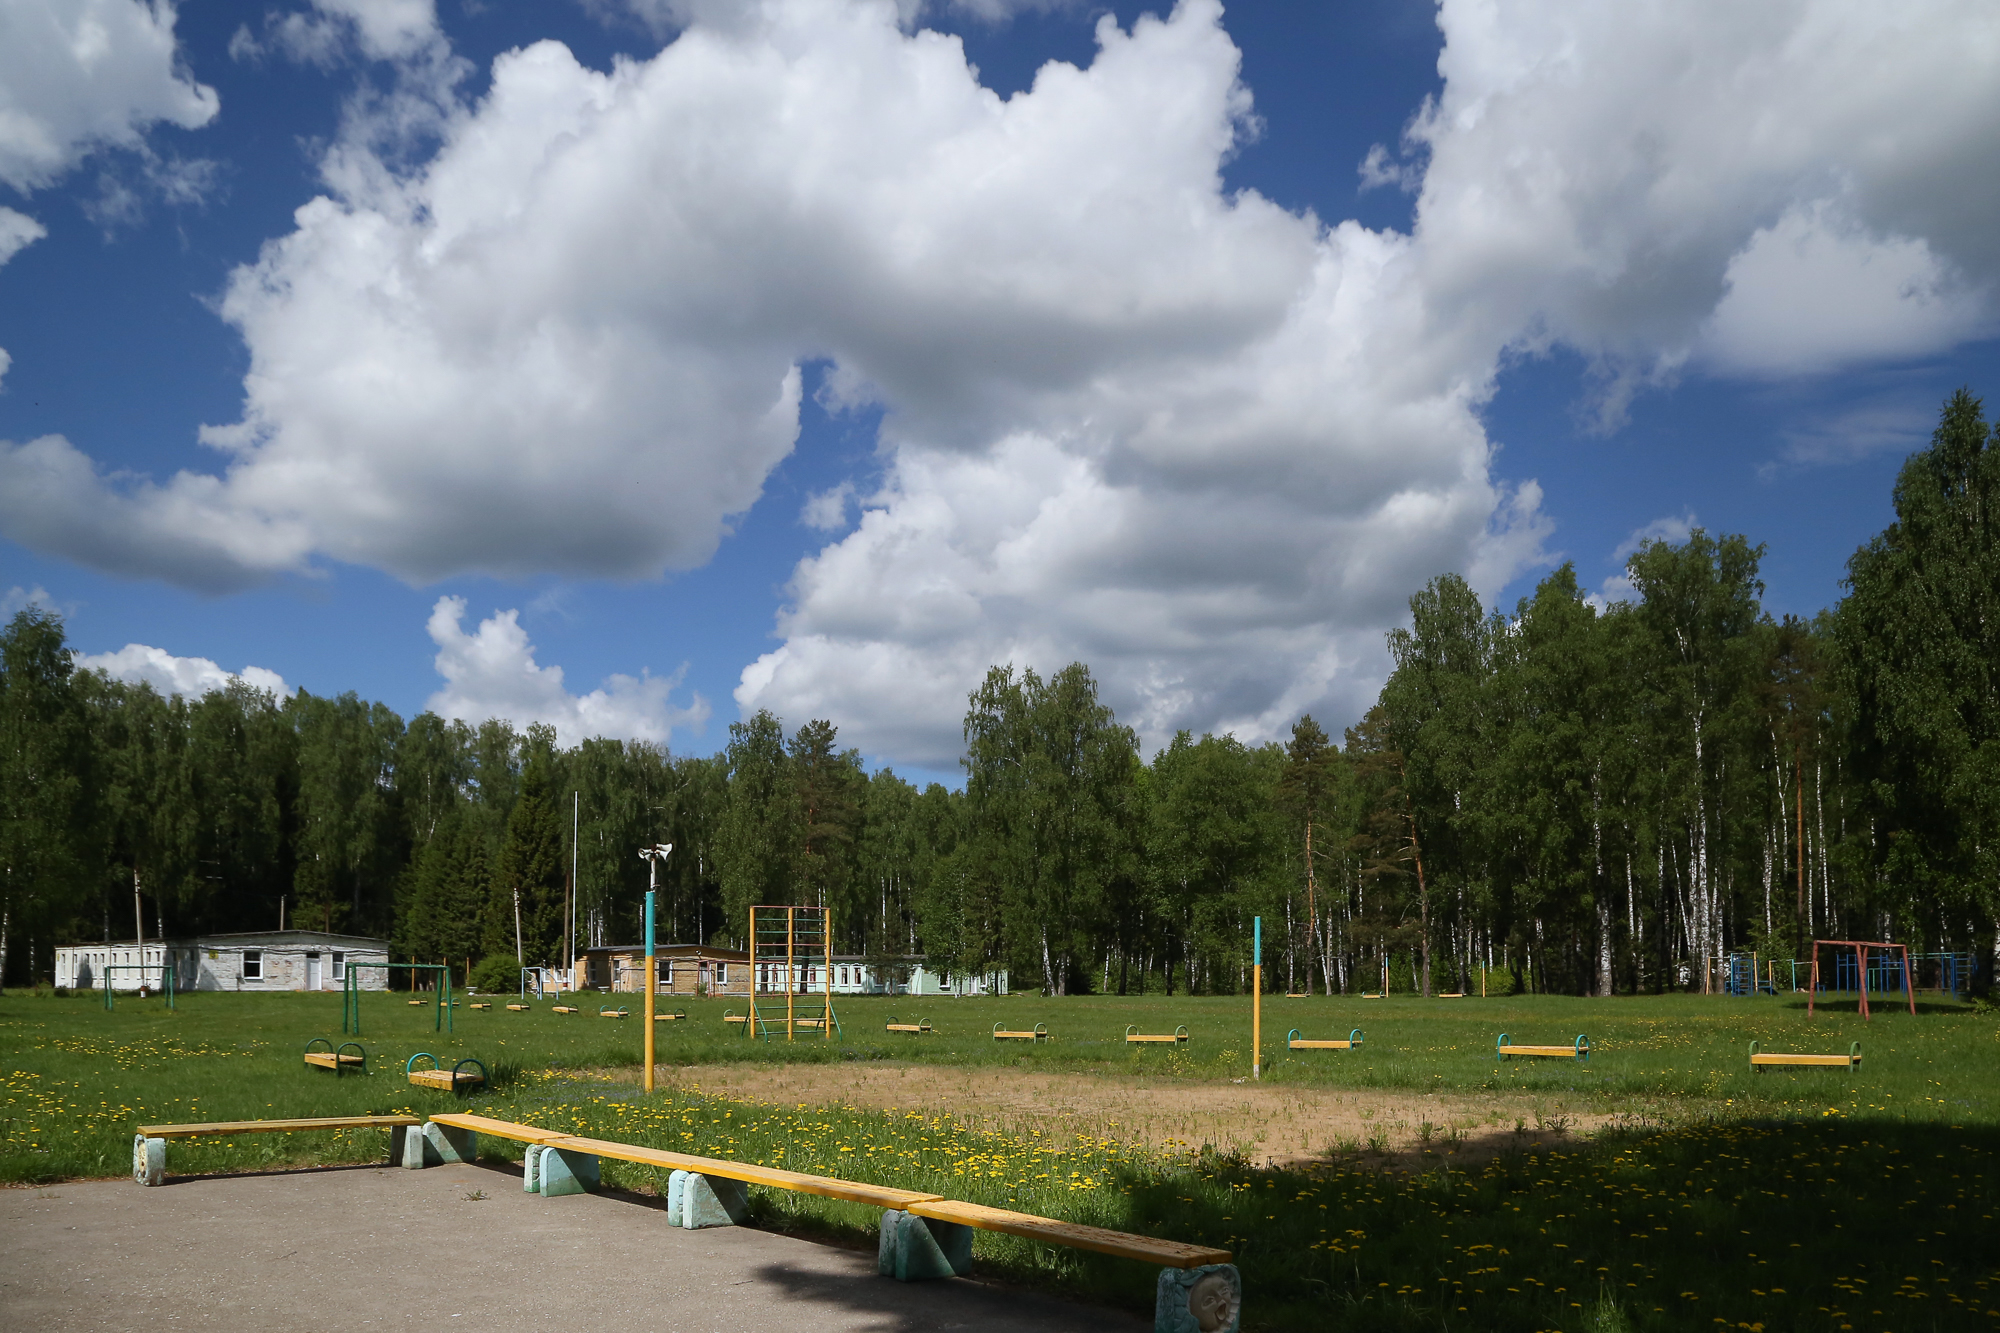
(1715, 1197)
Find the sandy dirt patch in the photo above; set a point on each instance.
(1270, 1124)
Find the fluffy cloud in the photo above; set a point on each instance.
(1207, 445)
(86, 74)
(189, 676)
(1605, 176)
(491, 672)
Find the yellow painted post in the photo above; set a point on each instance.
(651, 972)
(1257, 999)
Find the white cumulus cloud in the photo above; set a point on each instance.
(1205, 444)
(491, 672)
(191, 677)
(85, 74)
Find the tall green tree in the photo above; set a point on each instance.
(46, 813)
(1919, 633)
(758, 847)
(1050, 777)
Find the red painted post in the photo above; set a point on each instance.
(1861, 957)
(1909, 992)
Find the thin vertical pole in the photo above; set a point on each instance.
(1257, 999)
(569, 908)
(826, 978)
(1861, 965)
(791, 976)
(650, 973)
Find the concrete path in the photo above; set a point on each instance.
(369, 1247)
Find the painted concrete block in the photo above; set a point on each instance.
(914, 1249)
(1208, 1299)
(564, 1171)
(398, 1144)
(713, 1201)
(438, 1144)
(531, 1175)
(676, 1192)
(149, 1160)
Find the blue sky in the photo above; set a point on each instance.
(1108, 411)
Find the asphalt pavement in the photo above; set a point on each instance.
(371, 1247)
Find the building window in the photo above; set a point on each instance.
(339, 966)
(253, 964)
(722, 974)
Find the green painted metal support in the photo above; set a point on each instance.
(350, 994)
(166, 971)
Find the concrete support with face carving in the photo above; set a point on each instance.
(1208, 1299)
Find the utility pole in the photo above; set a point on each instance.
(652, 856)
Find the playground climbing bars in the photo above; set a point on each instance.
(1861, 948)
(783, 941)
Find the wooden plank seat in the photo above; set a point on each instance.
(456, 1079)
(1373, 995)
(219, 1128)
(339, 1061)
(519, 1008)
(1001, 1032)
(733, 1017)
(614, 1013)
(1762, 1060)
(919, 1026)
(1178, 1037)
(799, 1182)
(671, 1016)
(477, 1005)
(499, 1129)
(1577, 1050)
(149, 1142)
(1452, 995)
(1049, 1231)
(1293, 1041)
(423, 1002)
(562, 1008)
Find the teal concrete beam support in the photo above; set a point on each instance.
(1208, 1299)
(531, 1169)
(149, 1160)
(561, 1171)
(709, 1201)
(916, 1249)
(439, 1145)
(676, 1191)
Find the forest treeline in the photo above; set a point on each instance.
(1586, 796)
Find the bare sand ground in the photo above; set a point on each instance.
(1270, 1124)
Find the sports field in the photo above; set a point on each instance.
(1412, 1183)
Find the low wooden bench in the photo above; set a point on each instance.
(1452, 995)
(918, 1026)
(562, 1008)
(1578, 1050)
(1374, 995)
(149, 1142)
(614, 1013)
(1002, 1033)
(734, 1017)
(1178, 1037)
(336, 1060)
(1294, 1042)
(519, 1008)
(1762, 1060)
(457, 1078)
(423, 1002)
(923, 1235)
(671, 1016)
(477, 1005)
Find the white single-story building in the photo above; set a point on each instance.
(258, 960)
(906, 976)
